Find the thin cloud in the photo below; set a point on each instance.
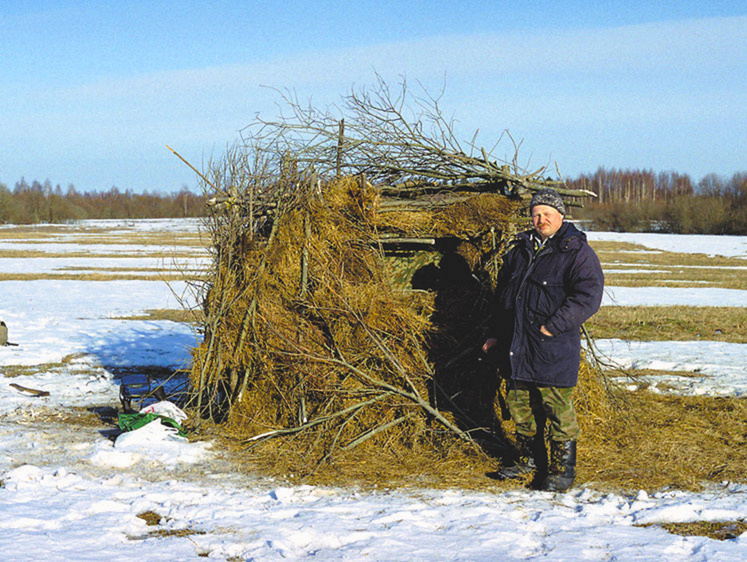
(701, 46)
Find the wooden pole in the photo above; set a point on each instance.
(340, 137)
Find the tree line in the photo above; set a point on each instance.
(41, 203)
(627, 201)
(646, 201)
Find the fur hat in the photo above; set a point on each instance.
(548, 197)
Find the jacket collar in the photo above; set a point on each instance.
(565, 233)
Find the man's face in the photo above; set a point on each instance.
(546, 220)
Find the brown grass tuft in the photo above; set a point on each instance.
(719, 530)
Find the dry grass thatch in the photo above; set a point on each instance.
(322, 352)
(312, 332)
(343, 320)
(315, 336)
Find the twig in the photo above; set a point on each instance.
(195, 170)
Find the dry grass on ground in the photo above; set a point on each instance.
(73, 416)
(644, 379)
(677, 441)
(670, 323)
(651, 443)
(629, 253)
(11, 371)
(679, 278)
(426, 466)
(719, 530)
(81, 235)
(172, 314)
(153, 519)
(630, 265)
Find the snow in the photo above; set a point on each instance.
(709, 244)
(72, 492)
(680, 266)
(713, 368)
(51, 319)
(71, 266)
(67, 247)
(672, 296)
(154, 442)
(64, 515)
(118, 226)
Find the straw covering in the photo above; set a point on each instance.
(353, 260)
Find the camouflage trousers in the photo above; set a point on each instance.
(532, 405)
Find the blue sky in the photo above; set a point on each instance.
(93, 91)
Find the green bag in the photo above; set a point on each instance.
(130, 422)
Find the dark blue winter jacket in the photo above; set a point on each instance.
(560, 287)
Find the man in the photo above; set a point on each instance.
(550, 283)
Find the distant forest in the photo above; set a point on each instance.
(645, 201)
(627, 201)
(42, 203)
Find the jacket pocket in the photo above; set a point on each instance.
(545, 297)
(547, 349)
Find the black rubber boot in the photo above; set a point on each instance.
(562, 469)
(524, 465)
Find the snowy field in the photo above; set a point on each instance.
(720, 367)
(708, 244)
(671, 296)
(71, 493)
